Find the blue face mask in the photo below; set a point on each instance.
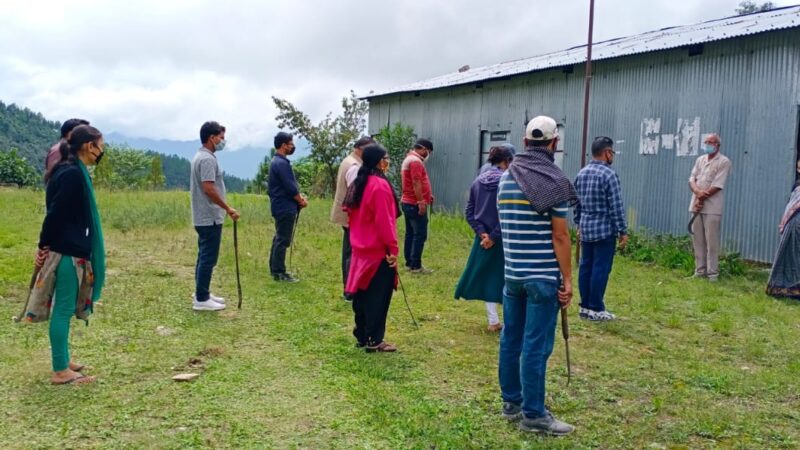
(709, 149)
(220, 146)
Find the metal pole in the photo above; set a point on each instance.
(586, 94)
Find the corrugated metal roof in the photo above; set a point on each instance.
(666, 38)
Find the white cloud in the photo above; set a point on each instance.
(159, 69)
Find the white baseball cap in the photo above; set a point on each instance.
(541, 128)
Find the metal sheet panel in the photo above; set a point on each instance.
(666, 38)
(746, 89)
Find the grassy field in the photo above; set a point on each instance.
(688, 365)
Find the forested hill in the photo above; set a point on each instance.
(27, 131)
(32, 135)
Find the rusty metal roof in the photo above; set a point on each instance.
(665, 38)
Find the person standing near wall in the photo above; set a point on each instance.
(416, 199)
(285, 204)
(483, 276)
(373, 210)
(533, 202)
(600, 217)
(707, 182)
(338, 215)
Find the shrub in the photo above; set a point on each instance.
(14, 169)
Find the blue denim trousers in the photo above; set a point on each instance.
(530, 309)
(416, 235)
(596, 261)
(208, 242)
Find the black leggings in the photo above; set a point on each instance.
(371, 306)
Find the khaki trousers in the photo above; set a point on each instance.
(706, 244)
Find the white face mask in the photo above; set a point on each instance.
(219, 146)
(709, 149)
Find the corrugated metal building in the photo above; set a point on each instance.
(657, 94)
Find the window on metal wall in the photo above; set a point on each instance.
(491, 139)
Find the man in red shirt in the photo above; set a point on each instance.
(416, 198)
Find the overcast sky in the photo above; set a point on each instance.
(158, 69)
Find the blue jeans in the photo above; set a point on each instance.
(416, 235)
(596, 261)
(530, 310)
(208, 241)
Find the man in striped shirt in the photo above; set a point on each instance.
(533, 200)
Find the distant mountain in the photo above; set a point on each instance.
(27, 131)
(242, 163)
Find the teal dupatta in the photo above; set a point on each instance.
(98, 256)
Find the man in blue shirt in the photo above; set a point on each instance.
(532, 202)
(600, 217)
(285, 204)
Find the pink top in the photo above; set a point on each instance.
(373, 233)
(53, 156)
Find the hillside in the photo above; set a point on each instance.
(27, 131)
(32, 135)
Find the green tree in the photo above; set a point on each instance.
(259, 183)
(123, 167)
(750, 7)
(331, 138)
(397, 139)
(14, 169)
(156, 179)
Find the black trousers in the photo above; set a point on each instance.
(284, 227)
(347, 252)
(371, 306)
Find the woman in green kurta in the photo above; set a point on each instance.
(483, 277)
(71, 251)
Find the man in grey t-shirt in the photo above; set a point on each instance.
(208, 212)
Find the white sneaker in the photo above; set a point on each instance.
(211, 296)
(208, 305)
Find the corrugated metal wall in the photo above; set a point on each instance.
(747, 89)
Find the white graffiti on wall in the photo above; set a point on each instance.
(648, 145)
(685, 141)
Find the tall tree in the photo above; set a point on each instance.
(332, 137)
(750, 7)
(156, 179)
(397, 139)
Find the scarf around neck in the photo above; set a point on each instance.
(98, 255)
(541, 180)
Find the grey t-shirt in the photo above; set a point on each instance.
(205, 168)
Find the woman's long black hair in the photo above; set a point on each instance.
(373, 154)
(81, 134)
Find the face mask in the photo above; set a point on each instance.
(709, 149)
(99, 157)
(220, 146)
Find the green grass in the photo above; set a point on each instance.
(688, 365)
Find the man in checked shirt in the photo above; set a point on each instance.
(600, 217)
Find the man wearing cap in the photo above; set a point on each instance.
(600, 217)
(706, 182)
(533, 201)
(349, 165)
(54, 155)
(416, 198)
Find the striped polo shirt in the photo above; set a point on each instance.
(527, 235)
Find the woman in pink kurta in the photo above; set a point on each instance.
(372, 208)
